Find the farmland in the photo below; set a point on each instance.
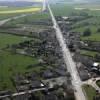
(16, 11)
(7, 39)
(92, 23)
(89, 53)
(14, 64)
(20, 11)
(11, 63)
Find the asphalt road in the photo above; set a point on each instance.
(71, 66)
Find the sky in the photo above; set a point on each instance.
(22, 0)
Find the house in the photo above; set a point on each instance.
(51, 96)
(48, 74)
(97, 97)
(22, 88)
(36, 84)
(60, 72)
(84, 75)
(55, 81)
(22, 97)
(7, 92)
(32, 76)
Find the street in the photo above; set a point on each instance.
(68, 60)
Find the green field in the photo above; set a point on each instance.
(92, 23)
(91, 9)
(7, 12)
(7, 39)
(12, 64)
(14, 8)
(62, 9)
(88, 6)
(93, 37)
(69, 9)
(28, 19)
(24, 10)
(88, 53)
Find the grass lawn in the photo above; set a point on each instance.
(90, 92)
(6, 39)
(10, 64)
(88, 53)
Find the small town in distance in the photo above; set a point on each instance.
(49, 50)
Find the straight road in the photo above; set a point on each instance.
(71, 66)
(22, 93)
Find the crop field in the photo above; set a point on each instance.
(14, 8)
(15, 11)
(20, 11)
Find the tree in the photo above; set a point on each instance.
(87, 32)
(98, 30)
